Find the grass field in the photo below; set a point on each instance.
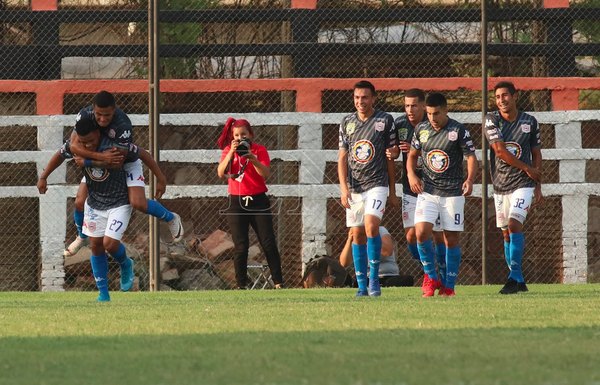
(550, 335)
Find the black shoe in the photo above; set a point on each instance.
(510, 287)
(523, 286)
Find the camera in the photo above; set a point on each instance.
(243, 147)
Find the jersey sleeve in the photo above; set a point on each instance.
(343, 139)
(535, 137)
(415, 142)
(492, 129)
(390, 129)
(263, 155)
(466, 141)
(123, 128)
(133, 153)
(65, 150)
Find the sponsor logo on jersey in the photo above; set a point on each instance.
(489, 123)
(491, 132)
(379, 126)
(98, 174)
(514, 148)
(363, 151)
(350, 128)
(423, 136)
(452, 136)
(438, 161)
(403, 134)
(526, 128)
(125, 134)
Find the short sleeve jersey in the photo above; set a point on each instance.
(249, 181)
(404, 132)
(366, 143)
(442, 154)
(107, 188)
(520, 137)
(120, 129)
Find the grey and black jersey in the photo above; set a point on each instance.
(107, 188)
(404, 133)
(442, 154)
(120, 129)
(520, 137)
(366, 143)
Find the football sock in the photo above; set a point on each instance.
(100, 269)
(359, 255)
(453, 256)
(159, 211)
(440, 256)
(427, 258)
(120, 255)
(78, 218)
(374, 253)
(517, 245)
(507, 253)
(414, 251)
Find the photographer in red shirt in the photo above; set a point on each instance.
(246, 165)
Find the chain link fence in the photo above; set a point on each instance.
(288, 67)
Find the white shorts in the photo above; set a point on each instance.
(111, 223)
(450, 210)
(370, 202)
(514, 205)
(409, 205)
(135, 174)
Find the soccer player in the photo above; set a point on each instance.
(414, 107)
(515, 163)
(441, 143)
(107, 210)
(366, 178)
(115, 125)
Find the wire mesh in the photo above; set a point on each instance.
(289, 71)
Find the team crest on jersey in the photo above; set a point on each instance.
(438, 161)
(98, 174)
(363, 151)
(379, 126)
(526, 128)
(452, 136)
(514, 148)
(111, 133)
(350, 128)
(402, 134)
(423, 136)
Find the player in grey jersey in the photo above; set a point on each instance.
(515, 164)
(442, 143)
(366, 178)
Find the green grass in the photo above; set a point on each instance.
(550, 335)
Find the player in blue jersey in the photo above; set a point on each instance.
(414, 107)
(115, 124)
(367, 180)
(442, 144)
(515, 164)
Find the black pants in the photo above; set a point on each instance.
(255, 211)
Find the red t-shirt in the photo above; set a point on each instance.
(250, 182)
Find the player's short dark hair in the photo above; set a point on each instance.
(415, 93)
(104, 99)
(506, 84)
(366, 84)
(85, 123)
(436, 100)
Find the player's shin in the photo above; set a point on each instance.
(359, 255)
(453, 257)
(100, 270)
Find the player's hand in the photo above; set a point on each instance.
(161, 187)
(112, 157)
(394, 201)
(467, 187)
(79, 160)
(538, 198)
(344, 199)
(416, 185)
(392, 152)
(404, 146)
(42, 185)
(534, 173)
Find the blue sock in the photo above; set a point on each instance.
(359, 255)
(100, 269)
(374, 253)
(517, 246)
(120, 255)
(427, 258)
(159, 211)
(440, 256)
(414, 251)
(453, 256)
(507, 253)
(78, 218)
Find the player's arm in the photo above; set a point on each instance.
(391, 169)
(57, 159)
(110, 156)
(501, 152)
(416, 185)
(472, 166)
(536, 160)
(260, 161)
(346, 254)
(387, 245)
(161, 179)
(343, 177)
